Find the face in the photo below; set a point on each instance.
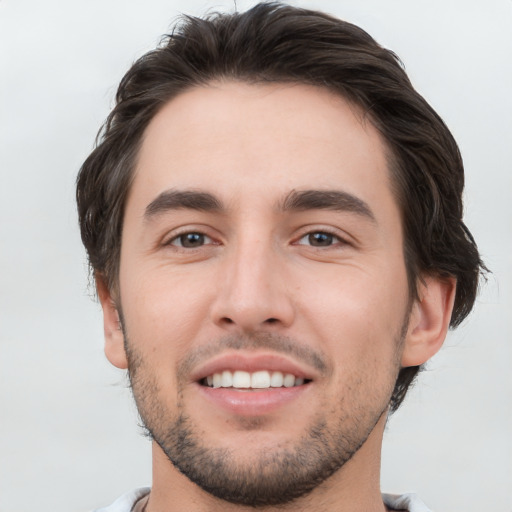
(262, 287)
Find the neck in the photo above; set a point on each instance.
(356, 486)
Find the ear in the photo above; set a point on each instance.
(114, 338)
(429, 320)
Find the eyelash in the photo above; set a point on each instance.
(181, 236)
(334, 239)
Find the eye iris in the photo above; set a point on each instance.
(320, 239)
(192, 240)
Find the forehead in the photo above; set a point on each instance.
(233, 137)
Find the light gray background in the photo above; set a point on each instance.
(69, 439)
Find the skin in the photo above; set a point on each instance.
(258, 273)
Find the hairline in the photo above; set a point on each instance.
(362, 113)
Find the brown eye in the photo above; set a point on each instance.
(190, 240)
(319, 239)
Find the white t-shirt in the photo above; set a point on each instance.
(134, 502)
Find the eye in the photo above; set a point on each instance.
(319, 239)
(190, 240)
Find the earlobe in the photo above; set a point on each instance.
(114, 337)
(429, 320)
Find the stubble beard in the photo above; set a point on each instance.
(276, 476)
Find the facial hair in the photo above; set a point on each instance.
(272, 477)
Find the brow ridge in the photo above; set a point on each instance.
(336, 200)
(303, 200)
(182, 199)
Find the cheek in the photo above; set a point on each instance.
(358, 317)
(163, 312)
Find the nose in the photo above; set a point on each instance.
(253, 294)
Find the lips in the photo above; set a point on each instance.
(249, 384)
(250, 370)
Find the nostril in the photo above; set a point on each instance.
(248, 322)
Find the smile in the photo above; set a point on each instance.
(250, 384)
(262, 379)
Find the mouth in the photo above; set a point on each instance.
(261, 379)
(253, 383)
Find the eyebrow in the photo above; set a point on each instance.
(335, 200)
(182, 199)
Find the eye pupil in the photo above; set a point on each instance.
(192, 240)
(320, 239)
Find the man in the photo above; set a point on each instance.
(273, 217)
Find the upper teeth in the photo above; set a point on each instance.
(258, 380)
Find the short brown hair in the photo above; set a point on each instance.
(269, 43)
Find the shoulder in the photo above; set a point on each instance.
(407, 502)
(125, 502)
